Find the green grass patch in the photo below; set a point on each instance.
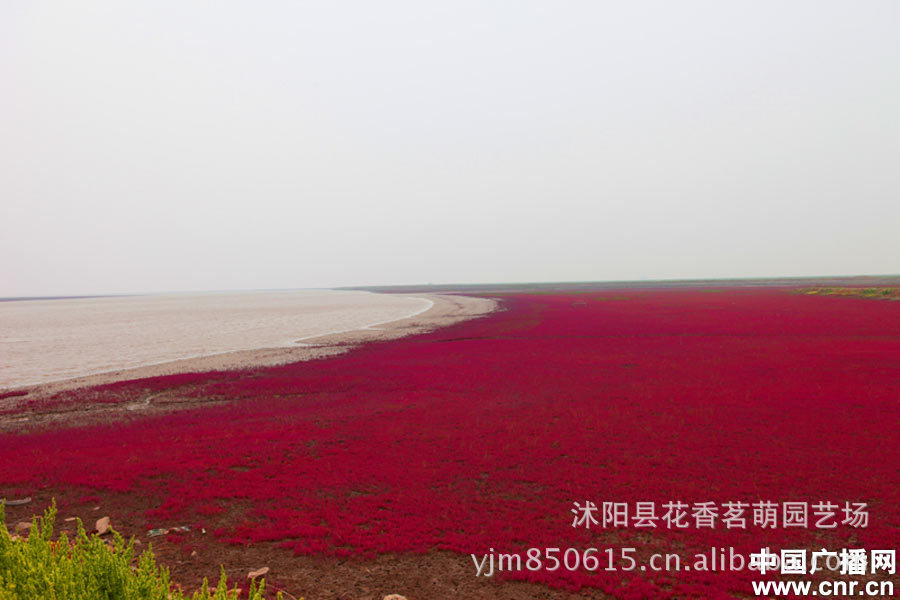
(888, 293)
(90, 568)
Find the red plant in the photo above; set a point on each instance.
(483, 434)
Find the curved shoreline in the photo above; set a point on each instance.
(370, 326)
(443, 310)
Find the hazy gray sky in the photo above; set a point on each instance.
(223, 145)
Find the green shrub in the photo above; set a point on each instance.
(88, 568)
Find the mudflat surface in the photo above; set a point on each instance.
(53, 405)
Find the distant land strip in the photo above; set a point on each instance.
(860, 281)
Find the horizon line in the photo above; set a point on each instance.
(642, 282)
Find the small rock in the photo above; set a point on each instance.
(394, 597)
(22, 526)
(257, 573)
(102, 526)
(194, 553)
(138, 543)
(70, 519)
(21, 502)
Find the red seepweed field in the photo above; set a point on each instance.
(482, 435)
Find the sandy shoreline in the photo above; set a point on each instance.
(445, 310)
